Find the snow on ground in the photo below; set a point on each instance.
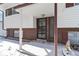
(9, 48)
(41, 49)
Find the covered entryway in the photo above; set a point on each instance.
(45, 28)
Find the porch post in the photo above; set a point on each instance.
(55, 29)
(20, 31)
(20, 38)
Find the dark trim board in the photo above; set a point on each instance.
(22, 5)
(70, 29)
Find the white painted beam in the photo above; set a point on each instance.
(20, 38)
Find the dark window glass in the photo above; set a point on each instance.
(69, 5)
(11, 11)
(76, 4)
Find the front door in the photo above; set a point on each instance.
(41, 28)
(45, 30)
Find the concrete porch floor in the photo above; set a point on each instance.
(9, 48)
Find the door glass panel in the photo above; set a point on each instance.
(52, 29)
(41, 35)
(42, 22)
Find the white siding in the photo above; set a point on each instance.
(69, 17)
(28, 15)
(12, 22)
(60, 10)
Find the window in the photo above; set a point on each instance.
(76, 3)
(1, 16)
(69, 5)
(1, 19)
(73, 36)
(11, 11)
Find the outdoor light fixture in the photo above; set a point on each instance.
(43, 15)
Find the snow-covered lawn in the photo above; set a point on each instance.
(10, 48)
